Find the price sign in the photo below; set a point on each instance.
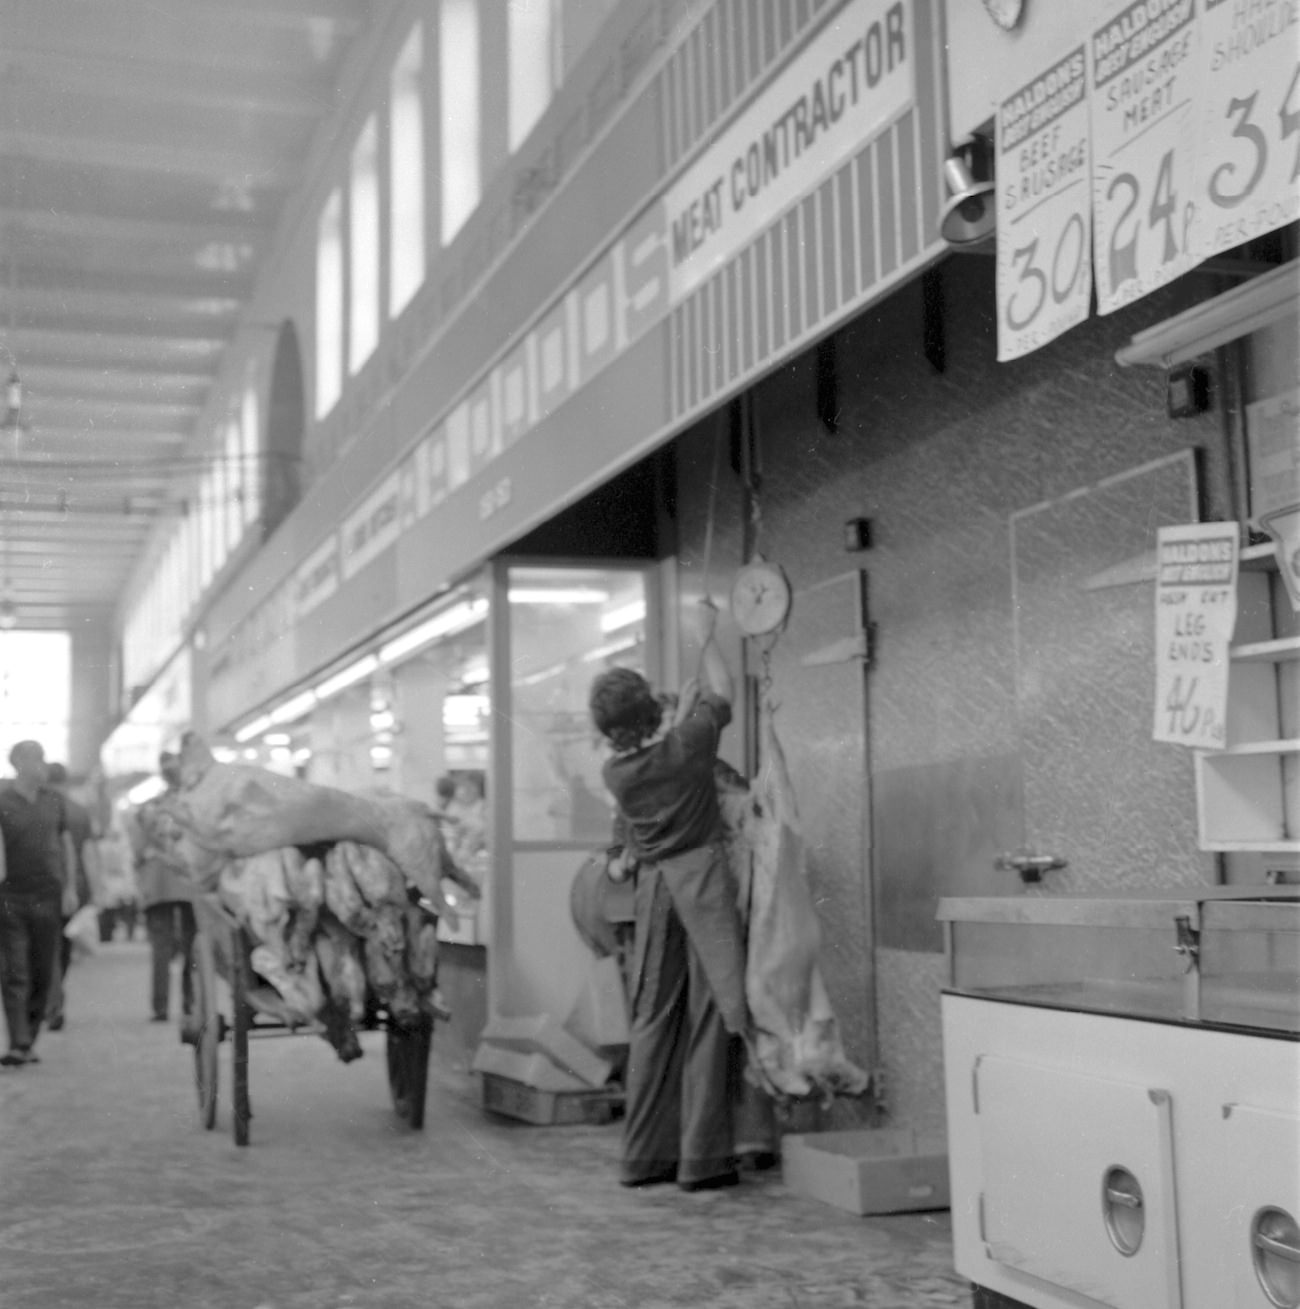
(1196, 610)
(1248, 170)
(1143, 65)
(1044, 211)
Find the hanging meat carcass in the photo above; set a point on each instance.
(799, 1048)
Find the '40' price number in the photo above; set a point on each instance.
(1159, 217)
(1188, 717)
(1036, 284)
(1234, 181)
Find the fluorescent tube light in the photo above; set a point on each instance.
(572, 595)
(294, 708)
(623, 616)
(146, 790)
(450, 621)
(255, 728)
(346, 677)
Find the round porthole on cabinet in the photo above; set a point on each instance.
(1275, 1252)
(1123, 1210)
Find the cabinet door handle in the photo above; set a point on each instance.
(1125, 1198)
(1283, 1249)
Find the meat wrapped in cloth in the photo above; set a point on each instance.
(238, 810)
(798, 1045)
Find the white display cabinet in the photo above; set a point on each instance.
(1123, 1121)
(1248, 794)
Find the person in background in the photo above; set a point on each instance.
(36, 887)
(166, 892)
(444, 792)
(116, 894)
(85, 876)
(467, 834)
(688, 970)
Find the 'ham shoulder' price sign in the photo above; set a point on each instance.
(1248, 174)
(1044, 212)
(1143, 66)
(1196, 610)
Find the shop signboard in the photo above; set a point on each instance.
(851, 81)
(370, 529)
(1248, 88)
(1273, 431)
(316, 578)
(1044, 275)
(1196, 610)
(1142, 70)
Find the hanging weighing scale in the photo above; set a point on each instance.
(760, 598)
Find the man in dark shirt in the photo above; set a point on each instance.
(688, 973)
(36, 886)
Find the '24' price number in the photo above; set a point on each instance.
(1122, 261)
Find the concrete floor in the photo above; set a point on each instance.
(113, 1197)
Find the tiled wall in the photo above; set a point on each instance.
(941, 463)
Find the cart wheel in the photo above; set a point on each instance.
(207, 1028)
(408, 1068)
(243, 1017)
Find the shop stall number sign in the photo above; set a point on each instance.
(1196, 610)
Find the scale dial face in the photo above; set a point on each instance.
(1005, 13)
(760, 598)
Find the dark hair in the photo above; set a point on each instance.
(624, 708)
(56, 774)
(445, 787)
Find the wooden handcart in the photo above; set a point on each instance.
(221, 950)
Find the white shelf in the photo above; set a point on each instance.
(1254, 847)
(1257, 748)
(1279, 651)
(1261, 558)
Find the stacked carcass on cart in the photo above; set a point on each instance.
(321, 880)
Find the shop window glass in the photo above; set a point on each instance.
(459, 112)
(406, 175)
(329, 304)
(531, 80)
(363, 247)
(566, 626)
(250, 441)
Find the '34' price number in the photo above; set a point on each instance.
(1236, 179)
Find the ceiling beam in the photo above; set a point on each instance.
(345, 14)
(225, 90)
(130, 228)
(208, 317)
(101, 349)
(255, 165)
(197, 284)
(111, 382)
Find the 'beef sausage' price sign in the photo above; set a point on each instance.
(1248, 165)
(1143, 66)
(1196, 610)
(1044, 210)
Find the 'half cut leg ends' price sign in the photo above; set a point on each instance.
(1044, 211)
(1196, 610)
(1248, 174)
(1143, 66)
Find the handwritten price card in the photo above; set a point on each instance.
(1143, 68)
(1248, 175)
(1196, 610)
(1044, 209)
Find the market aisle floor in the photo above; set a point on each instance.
(112, 1197)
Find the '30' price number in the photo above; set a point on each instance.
(1037, 284)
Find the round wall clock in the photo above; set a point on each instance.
(1005, 13)
(760, 597)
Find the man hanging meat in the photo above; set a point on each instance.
(688, 974)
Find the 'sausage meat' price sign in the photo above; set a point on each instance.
(1196, 610)
(1044, 208)
(1143, 66)
(1248, 173)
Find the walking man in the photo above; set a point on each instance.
(166, 892)
(36, 887)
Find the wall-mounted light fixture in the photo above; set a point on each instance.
(970, 216)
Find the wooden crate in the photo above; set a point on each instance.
(511, 1099)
